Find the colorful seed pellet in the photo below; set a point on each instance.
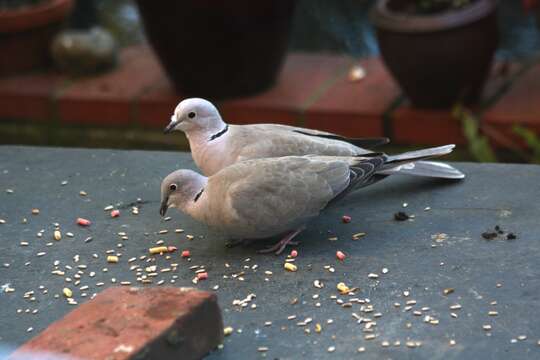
(346, 219)
(83, 222)
(115, 213)
(290, 267)
(340, 255)
(185, 254)
(202, 276)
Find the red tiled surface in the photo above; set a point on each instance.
(28, 96)
(302, 77)
(109, 98)
(521, 105)
(438, 127)
(425, 127)
(355, 108)
(313, 90)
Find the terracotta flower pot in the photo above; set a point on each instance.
(439, 59)
(217, 48)
(26, 34)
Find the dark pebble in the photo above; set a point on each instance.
(401, 216)
(489, 235)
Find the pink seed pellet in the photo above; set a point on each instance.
(202, 276)
(186, 254)
(340, 255)
(346, 219)
(83, 222)
(115, 213)
(171, 249)
(294, 253)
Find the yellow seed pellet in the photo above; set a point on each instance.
(228, 331)
(158, 250)
(57, 235)
(112, 259)
(290, 267)
(343, 289)
(318, 328)
(67, 292)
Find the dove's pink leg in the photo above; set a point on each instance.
(280, 245)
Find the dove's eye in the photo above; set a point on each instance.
(172, 187)
(191, 115)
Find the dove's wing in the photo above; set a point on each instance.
(265, 197)
(270, 140)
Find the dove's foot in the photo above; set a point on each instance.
(280, 245)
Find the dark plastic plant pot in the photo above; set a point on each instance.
(442, 59)
(26, 35)
(216, 48)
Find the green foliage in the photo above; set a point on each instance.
(532, 141)
(479, 146)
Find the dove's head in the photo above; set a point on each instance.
(181, 188)
(195, 114)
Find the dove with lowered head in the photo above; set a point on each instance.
(268, 197)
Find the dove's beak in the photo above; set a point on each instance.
(170, 127)
(164, 207)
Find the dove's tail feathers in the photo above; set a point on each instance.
(426, 169)
(411, 156)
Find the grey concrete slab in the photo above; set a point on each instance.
(417, 260)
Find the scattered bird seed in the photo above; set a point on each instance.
(290, 267)
(67, 292)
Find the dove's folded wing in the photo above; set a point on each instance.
(283, 193)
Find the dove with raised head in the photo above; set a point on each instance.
(215, 144)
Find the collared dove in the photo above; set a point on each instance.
(216, 145)
(262, 198)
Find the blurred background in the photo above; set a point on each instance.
(107, 73)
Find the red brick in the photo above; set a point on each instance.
(29, 96)
(108, 99)
(123, 323)
(425, 127)
(355, 108)
(521, 104)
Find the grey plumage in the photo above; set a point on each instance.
(261, 198)
(245, 142)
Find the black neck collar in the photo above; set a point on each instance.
(216, 135)
(198, 195)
